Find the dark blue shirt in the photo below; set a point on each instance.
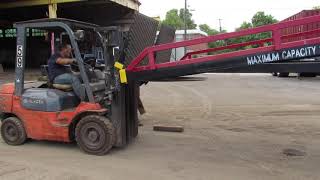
(55, 69)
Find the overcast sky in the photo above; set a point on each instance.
(233, 12)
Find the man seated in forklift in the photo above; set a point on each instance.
(60, 71)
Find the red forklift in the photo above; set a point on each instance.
(44, 111)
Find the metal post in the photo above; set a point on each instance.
(52, 10)
(185, 24)
(52, 43)
(20, 60)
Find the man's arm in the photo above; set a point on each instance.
(65, 61)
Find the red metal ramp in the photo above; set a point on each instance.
(274, 54)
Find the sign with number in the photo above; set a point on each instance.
(19, 62)
(19, 56)
(19, 50)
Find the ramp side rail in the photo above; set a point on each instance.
(275, 43)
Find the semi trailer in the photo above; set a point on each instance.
(297, 29)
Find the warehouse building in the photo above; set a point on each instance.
(101, 12)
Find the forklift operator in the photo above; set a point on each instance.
(60, 72)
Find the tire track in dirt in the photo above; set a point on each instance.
(204, 100)
(205, 112)
(11, 171)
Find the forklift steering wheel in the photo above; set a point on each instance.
(75, 64)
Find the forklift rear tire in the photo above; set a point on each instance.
(13, 132)
(95, 135)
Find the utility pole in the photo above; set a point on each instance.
(220, 20)
(185, 23)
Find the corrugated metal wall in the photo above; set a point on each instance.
(302, 28)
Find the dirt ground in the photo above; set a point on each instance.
(236, 128)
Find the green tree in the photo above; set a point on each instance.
(175, 18)
(210, 31)
(316, 8)
(189, 20)
(207, 29)
(244, 25)
(261, 19)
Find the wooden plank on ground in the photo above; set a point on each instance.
(168, 128)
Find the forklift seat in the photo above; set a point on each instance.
(63, 87)
(45, 76)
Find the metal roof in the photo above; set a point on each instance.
(64, 20)
(101, 12)
(5, 4)
(191, 31)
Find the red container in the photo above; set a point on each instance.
(302, 28)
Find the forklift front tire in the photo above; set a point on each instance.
(95, 135)
(13, 132)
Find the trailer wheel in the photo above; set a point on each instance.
(283, 74)
(95, 135)
(13, 132)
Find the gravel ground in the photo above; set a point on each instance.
(236, 127)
